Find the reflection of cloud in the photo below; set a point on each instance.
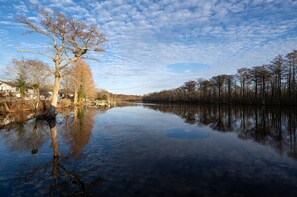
(144, 37)
(28, 135)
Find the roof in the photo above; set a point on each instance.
(10, 83)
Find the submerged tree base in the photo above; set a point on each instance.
(51, 112)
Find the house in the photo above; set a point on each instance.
(29, 90)
(8, 87)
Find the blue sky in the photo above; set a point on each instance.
(155, 45)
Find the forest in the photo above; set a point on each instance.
(273, 83)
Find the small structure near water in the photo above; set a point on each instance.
(98, 103)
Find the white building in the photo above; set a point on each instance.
(8, 87)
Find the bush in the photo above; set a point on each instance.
(64, 103)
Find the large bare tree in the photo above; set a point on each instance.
(70, 40)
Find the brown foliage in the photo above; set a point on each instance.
(83, 79)
(18, 105)
(64, 103)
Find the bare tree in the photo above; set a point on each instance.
(292, 66)
(38, 76)
(268, 84)
(190, 87)
(218, 82)
(17, 72)
(243, 76)
(29, 72)
(277, 71)
(70, 40)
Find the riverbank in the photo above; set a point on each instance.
(15, 106)
(20, 110)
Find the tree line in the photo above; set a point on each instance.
(35, 74)
(268, 84)
(77, 85)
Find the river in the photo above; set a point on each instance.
(152, 150)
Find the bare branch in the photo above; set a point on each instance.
(68, 63)
(90, 58)
(32, 27)
(36, 52)
(100, 50)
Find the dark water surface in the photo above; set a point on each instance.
(152, 150)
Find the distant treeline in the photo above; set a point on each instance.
(105, 95)
(268, 84)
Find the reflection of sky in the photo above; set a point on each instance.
(147, 37)
(149, 148)
(139, 152)
(180, 133)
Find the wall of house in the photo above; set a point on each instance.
(7, 88)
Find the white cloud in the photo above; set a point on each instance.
(144, 37)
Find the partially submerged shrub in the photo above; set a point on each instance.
(64, 103)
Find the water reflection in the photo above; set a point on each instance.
(273, 127)
(135, 151)
(63, 181)
(55, 175)
(26, 135)
(76, 130)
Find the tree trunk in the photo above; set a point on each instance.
(55, 141)
(38, 99)
(53, 129)
(263, 90)
(75, 96)
(52, 110)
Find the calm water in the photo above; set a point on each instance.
(152, 150)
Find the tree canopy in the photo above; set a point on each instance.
(69, 39)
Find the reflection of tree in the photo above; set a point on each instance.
(59, 173)
(63, 182)
(77, 129)
(28, 135)
(219, 123)
(189, 116)
(269, 126)
(61, 176)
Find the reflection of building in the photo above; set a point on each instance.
(66, 93)
(46, 92)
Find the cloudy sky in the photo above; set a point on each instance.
(160, 44)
